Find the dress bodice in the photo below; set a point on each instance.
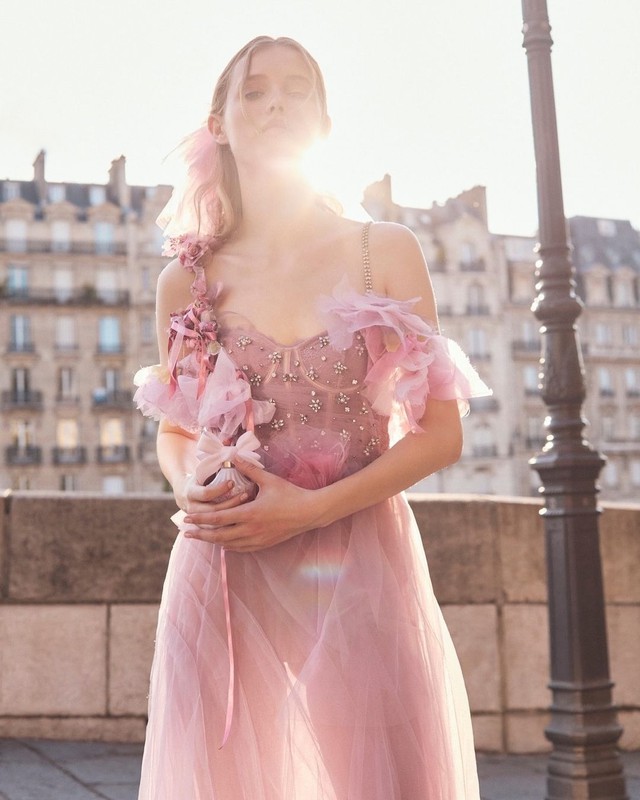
(323, 426)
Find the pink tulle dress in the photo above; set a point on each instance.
(323, 663)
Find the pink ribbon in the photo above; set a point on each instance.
(212, 453)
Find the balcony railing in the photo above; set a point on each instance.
(484, 404)
(26, 399)
(535, 442)
(525, 346)
(484, 451)
(49, 246)
(65, 399)
(478, 310)
(69, 455)
(21, 347)
(110, 348)
(83, 296)
(113, 454)
(605, 392)
(118, 398)
(484, 355)
(473, 265)
(17, 456)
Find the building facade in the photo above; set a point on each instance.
(484, 284)
(78, 269)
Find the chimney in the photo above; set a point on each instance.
(119, 192)
(38, 176)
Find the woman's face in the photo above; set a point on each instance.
(274, 112)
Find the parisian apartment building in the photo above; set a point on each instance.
(78, 268)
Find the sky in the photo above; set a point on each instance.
(433, 92)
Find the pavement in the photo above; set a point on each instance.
(34, 769)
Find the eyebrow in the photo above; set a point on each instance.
(257, 75)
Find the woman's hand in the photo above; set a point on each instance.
(191, 497)
(280, 511)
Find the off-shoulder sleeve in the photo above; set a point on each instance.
(219, 401)
(409, 361)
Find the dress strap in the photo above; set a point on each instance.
(366, 261)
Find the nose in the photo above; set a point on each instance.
(276, 101)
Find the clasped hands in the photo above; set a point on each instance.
(280, 511)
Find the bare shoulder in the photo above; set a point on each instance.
(398, 266)
(174, 278)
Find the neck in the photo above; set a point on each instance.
(277, 207)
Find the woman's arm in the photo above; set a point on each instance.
(282, 510)
(176, 447)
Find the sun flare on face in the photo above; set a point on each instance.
(332, 176)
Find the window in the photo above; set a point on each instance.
(147, 330)
(97, 195)
(109, 335)
(20, 333)
(111, 380)
(67, 483)
(634, 471)
(530, 332)
(483, 443)
(11, 191)
(632, 381)
(22, 433)
(67, 433)
(66, 383)
(630, 335)
(530, 379)
(482, 481)
(634, 427)
(535, 435)
(606, 227)
(17, 280)
(478, 342)
(56, 193)
(113, 484)
(111, 432)
(20, 383)
(475, 296)
(610, 475)
(605, 382)
(63, 283)
(60, 232)
(104, 237)
(607, 427)
(603, 334)
(66, 333)
(16, 235)
(467, 252)
(145, 279)
(106, 286)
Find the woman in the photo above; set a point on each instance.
(300, 651)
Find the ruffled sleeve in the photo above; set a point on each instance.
(409, 361)
(222, 403)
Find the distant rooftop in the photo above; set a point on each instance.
(613, 243)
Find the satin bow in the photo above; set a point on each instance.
(212, 454)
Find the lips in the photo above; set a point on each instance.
(277, 124)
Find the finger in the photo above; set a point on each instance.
(252, 470)
(217, 516)
(208, 494)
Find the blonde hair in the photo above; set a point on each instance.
(217, 200)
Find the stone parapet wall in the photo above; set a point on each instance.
(81, 577)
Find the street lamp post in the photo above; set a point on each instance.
(584, 762)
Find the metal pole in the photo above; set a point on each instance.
(584, 761)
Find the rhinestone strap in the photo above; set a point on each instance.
(366, 263)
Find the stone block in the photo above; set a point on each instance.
(93, 548)
(525, 732)
(75, 729)
(459, 537)
(474, 630)
(53, 660)
(488, 733)
(131, 637)
(522, 551)
(623, 628)
(526, 656)
(620, 548)
(630, 721)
